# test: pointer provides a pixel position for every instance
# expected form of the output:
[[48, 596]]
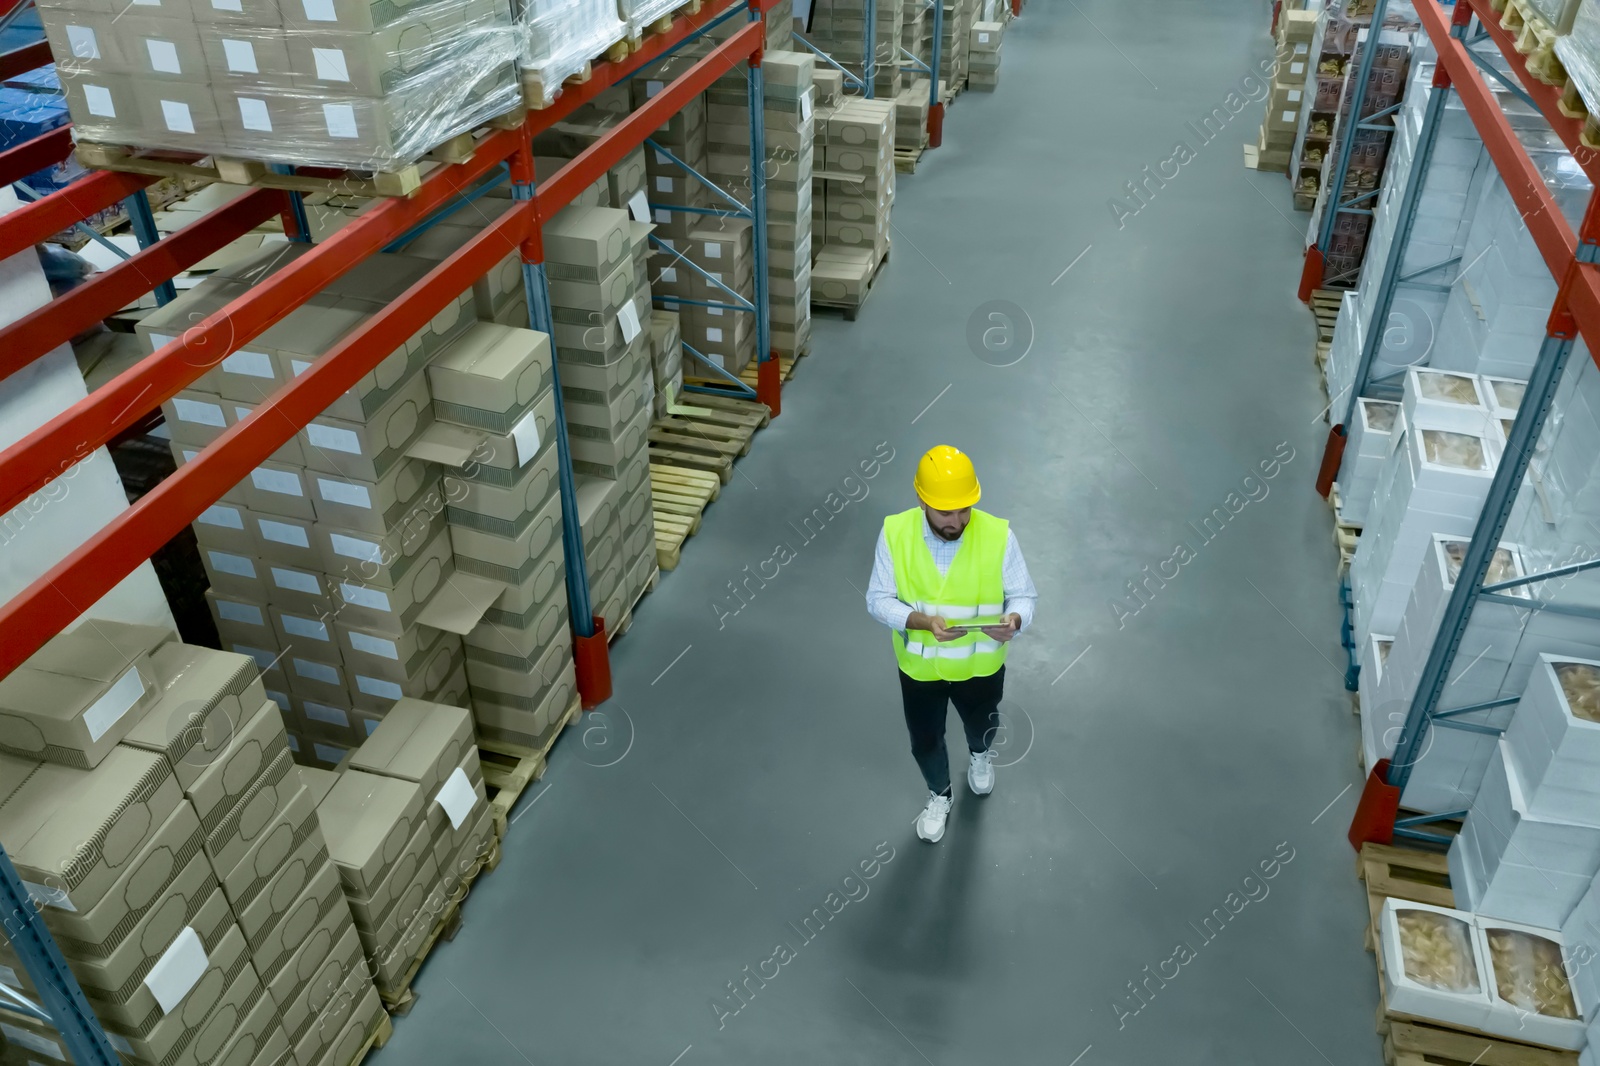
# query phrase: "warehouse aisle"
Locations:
[[1171, 805]]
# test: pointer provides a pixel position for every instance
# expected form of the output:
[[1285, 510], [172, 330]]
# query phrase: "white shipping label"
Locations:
[[328, 675], [198, 412], [227, 5], [983, 38], [1297, 68], [669, 274], [356, 548], [663, 217], [294, 744], [249, 364], [457, 797], [33, 1041], [319, 11], [296, 581], [248, 613], [226, 517], [1302, 48], [805, 106], [362, 596], [639, 207], [373, 645], [177, 971], [373, 686], [628, 319], [714, 251], [119, 699], [253, 114], [323, 713], [340, 120], [309, 628], [228, 563], [717, 311], [176, 115], [713, 333], [280, 698], [653, 87], [663, 184], [525, 435], [345, 493], [372, 726], [98, 99], [82, 42], [299, 366], [49, 896], [1288, 116], [163, 56], [330, 63], [330, 753], [283, 482], [339, 440], [1294, 96]]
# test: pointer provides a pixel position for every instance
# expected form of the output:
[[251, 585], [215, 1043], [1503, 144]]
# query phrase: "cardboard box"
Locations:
[[227, 526], [529, 728], [258, 1039], [599, 416], [309, 634], [586, 245], [519, 646], [316, 679], [508, 559], [321, 896], [367, 820], [378, 62], [1467, 1007], [377, 655], [195, 417], [286, 879], [376, 691], [504, 510], [390, 611], [234, 576], [256, 751], [278, 489], [373, 506], [544, 585], [1513, 1019], [420, 742], [417, 911], [379, 916], [204, 698], [383, 561], [367, 450], [330, 968], [490, 376], [74, 699], [285, 540], [70, 833], [160, 49], [604, 458], [197, 1028], [256, 813], [300, 590], [239, 620], [238, 12], [522, 687], [327, 719], [272, 848], [348, 1025]]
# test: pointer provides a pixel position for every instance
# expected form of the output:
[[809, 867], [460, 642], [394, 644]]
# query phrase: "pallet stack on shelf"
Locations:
[[851, 200], [1274, 145]]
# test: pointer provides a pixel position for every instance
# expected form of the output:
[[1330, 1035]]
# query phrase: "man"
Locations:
[[950, 582]]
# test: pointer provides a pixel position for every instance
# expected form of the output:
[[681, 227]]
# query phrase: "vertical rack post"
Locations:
[[869, 44], [590, 654], [769, 378], [935, 98], [145, 232], [294, 210], [63, 999]]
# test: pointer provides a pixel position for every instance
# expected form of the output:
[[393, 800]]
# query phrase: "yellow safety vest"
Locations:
[[972, 590]]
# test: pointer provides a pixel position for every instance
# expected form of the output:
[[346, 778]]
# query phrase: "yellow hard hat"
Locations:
[[946, 480]]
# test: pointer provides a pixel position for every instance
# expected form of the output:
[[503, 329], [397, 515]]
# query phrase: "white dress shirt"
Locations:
[[883, 599]]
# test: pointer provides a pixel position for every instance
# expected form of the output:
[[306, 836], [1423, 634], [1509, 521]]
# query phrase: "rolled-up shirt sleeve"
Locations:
[[883, 599], [1021, 596]]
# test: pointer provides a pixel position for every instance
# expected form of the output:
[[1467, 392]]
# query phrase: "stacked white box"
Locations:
[[1435, 481], [1511, 864], [1458, 998], [1378, 726], [1557, 749], [1438, 399], [1532, 994], [1370, 440]]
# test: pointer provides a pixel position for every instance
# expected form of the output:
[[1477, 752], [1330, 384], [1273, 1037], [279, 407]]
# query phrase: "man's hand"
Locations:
[[934, 624], [1004, 633]]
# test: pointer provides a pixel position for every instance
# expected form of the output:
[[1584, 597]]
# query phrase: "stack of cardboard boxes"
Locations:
[[302, 81], [959, 17], [916, 30], [839, 28], [406, 821], [789, 120], [1275, 145], [175, 855], [983, 56], [666, 360], [322, 560], [911, 115], [851, 201]]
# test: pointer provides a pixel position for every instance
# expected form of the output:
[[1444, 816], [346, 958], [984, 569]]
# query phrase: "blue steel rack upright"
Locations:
[[1572, 261]]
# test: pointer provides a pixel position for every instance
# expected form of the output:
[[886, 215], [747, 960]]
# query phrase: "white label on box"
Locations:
[[374, 645], [283, 533], [1294, 96], [280, 698], [299, 366], [247, 613], [330, 753], [356, 548], [119, 699], [163, 55], [669, 274], [296, 581], [98, 100], [294, 743], [628, 319], [717, 311], [82, 42], [229, 563], [249, 364], [176, 115], [340, 120], [309, 628], [639, 207], [362, 596], [331, 65], [714, 251], [653, 87], [457, 797], [983, 38], [283, 482], [668, 243], [227, 5], [323, 713], [49, 896], [1288, 116], [1297, 68], [374, 686], [713, 333], [32, 1041], [219, 515], [264, 658], [805, 106], [199, 412], [662, 160], [1301, 49], [372, 726], [663, 217], [345, 493], [340, 440], [328, 675], [178, 970], [319, 11], [525, 435], [663, 184]]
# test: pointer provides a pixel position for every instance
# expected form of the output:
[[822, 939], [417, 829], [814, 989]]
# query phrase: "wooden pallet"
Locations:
[[613, 632], [1535, 40], [708, 434], [187, 166], [536, 95], [680, 497], [508, 769], [400, 1001], [659, 26], [852, 310], [1325, 306], [1346, 539], [906, 159], [750, 375], [377, 1039]]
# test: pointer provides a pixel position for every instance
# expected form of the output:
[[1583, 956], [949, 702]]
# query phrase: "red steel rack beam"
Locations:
[[45, 150], [61, 595], [107, 292], [65, 208], [21, 60]]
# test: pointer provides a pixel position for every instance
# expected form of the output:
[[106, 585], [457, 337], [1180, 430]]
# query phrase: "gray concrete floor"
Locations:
[[751, 761]]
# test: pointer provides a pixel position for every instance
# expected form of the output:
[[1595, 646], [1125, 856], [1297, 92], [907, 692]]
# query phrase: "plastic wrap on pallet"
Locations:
[[640, 13], [560, 36], [1579, 52], [337, 84], [1558, 13]]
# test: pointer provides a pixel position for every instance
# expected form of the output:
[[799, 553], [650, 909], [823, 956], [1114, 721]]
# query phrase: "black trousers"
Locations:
[[927, 704]]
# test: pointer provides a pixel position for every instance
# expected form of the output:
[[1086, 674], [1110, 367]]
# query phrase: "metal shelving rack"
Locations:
[[59, 597], [1572, 259]]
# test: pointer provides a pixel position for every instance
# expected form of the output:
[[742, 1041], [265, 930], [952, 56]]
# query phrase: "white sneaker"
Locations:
[[930, 823], [980, 772]]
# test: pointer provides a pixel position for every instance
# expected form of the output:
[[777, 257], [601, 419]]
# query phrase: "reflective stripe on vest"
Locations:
[[972, 590]]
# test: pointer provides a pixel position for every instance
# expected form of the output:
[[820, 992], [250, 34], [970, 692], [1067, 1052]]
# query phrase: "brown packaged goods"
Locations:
[[367, 820], [74, 698]]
